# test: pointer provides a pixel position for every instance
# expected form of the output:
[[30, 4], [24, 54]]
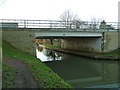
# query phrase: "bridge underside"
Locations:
[[83, 41], [54, 37], [80, 41]]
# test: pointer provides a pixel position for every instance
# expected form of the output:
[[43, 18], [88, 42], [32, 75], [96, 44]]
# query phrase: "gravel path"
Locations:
[[23, 78]]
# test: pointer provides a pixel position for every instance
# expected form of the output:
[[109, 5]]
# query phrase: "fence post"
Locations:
[[24, 23], [50, 23]]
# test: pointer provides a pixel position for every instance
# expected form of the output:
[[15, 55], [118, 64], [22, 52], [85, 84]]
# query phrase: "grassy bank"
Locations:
[[8, 74], [51, 46], [44, 76], [114, 54]]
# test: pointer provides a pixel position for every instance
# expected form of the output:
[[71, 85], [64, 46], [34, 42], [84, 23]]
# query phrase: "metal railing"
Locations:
[[20, 23]]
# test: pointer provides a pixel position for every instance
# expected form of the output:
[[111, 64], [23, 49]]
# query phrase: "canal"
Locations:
[[81, 72]]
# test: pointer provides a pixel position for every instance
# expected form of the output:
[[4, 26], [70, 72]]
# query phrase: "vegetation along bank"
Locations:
[[43, 75]]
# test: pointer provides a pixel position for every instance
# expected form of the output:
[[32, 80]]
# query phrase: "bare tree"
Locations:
[[77, 22], [94, 23], [70, 19]]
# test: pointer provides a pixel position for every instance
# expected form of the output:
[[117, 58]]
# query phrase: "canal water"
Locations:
[[81, 72]]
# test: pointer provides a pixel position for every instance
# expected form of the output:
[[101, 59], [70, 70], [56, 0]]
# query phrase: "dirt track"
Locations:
[[23, 77]]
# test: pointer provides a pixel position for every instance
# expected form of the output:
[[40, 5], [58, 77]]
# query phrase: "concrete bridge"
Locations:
[[22, 34]]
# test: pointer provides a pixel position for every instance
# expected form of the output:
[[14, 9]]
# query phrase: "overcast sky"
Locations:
[[51, 9]]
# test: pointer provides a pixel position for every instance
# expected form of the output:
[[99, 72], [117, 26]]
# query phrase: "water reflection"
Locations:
[[81, 71], [39, 48], [47, 55]]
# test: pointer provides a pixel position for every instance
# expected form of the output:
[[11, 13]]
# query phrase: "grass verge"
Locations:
[[8, 76], [43, 75], [51, 46], [114, 54]]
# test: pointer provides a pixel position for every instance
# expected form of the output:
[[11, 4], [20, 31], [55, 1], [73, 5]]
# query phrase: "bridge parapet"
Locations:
[[59, 25], [67, 29]]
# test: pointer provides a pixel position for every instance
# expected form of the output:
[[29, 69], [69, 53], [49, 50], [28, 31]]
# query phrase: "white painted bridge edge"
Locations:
[[67, 34]]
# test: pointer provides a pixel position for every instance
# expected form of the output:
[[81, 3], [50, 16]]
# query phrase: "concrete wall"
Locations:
[[23, 40], [82, 44], [110, 41]]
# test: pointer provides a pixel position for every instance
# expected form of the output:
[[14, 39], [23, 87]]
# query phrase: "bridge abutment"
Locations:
[[110, 41], [22, 40], [91, 44], [106, 43]]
